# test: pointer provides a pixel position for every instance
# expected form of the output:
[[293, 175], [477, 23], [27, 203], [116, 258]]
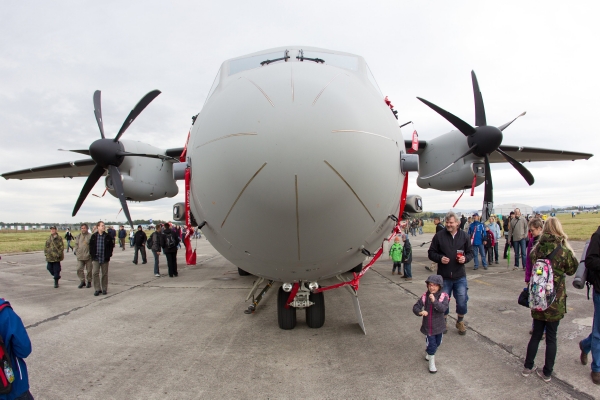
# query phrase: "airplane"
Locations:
[[297, 170]]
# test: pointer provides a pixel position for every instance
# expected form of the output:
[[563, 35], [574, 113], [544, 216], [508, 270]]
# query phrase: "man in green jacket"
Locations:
[[84, 259]]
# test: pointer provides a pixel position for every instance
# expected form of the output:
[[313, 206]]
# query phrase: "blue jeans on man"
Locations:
[[459, 288], [156, 256], [520, 249], [479, 249], [592, 342]]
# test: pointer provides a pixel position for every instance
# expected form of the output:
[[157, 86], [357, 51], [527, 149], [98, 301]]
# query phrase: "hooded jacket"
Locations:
[[434, 323], [592, 260], [477, 232], [396, 252], [18, 347], [563, 262]]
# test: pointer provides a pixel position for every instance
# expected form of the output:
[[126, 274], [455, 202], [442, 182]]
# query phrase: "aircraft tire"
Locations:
[[286, 317], [242, 272], [315, 314], [357, 269]]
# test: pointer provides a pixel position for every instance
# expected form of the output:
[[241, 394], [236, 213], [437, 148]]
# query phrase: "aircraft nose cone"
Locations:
[[487, 138], [104, 152]]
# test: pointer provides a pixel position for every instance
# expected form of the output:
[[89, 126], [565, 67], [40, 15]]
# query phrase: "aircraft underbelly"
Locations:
[[296, 182]]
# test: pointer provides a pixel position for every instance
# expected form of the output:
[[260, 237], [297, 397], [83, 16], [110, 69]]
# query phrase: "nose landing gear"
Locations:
[[288, 302]]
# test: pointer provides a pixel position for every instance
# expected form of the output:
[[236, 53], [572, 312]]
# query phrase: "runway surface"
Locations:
[[188, 338]]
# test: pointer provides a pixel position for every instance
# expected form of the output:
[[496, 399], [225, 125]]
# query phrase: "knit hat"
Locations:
[[437, 279]]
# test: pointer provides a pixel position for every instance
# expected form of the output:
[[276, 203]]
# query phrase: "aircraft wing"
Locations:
[[522, 154], [70, 169]]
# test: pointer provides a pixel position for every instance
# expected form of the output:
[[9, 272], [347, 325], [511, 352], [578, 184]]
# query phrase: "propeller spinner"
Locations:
[[109, 153], [483, 140]]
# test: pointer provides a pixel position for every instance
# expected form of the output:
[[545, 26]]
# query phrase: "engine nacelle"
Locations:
[[440, 153], [144, 179]]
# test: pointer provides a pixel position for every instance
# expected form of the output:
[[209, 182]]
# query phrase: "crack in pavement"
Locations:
[[557, 382]]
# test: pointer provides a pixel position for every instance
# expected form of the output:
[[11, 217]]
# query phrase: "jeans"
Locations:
[[479, 248], [69, 246], [534, 342], [397, 264], [156, 255], [407, 270], [459, 287], [520, 247], [142, 249], [496, 251], [420, 230], [433, 342], [592, 342]]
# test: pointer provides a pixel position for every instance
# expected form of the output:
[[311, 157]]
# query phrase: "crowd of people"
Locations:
[[534, 239]]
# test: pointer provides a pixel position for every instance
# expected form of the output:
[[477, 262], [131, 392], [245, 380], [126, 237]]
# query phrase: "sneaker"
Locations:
[[583, 357], [526, 371], [462, 329], [543, 376], [82, 284], [393, 272], [157, 275], [475, 268], [408, 279], [485, 268], [145, 262]]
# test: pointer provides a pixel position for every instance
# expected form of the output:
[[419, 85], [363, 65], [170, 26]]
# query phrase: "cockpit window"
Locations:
[[373, 81], [336, 60], [244, 64]]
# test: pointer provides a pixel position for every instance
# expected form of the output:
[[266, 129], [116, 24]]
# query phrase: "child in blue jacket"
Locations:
[[18, 347]]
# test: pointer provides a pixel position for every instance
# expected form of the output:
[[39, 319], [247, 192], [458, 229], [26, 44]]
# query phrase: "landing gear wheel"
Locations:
[[357, 269], [285, 316], [315, 314], [242, 272]]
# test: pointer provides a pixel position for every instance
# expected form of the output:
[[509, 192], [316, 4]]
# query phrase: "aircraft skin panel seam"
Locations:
[[262, 91], [350, 187], [242, 192], [297, 217], [322, 90], [228, 136], [368, 133]]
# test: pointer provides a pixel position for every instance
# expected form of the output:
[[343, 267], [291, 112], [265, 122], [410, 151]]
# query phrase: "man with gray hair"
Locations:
[[451, 249]]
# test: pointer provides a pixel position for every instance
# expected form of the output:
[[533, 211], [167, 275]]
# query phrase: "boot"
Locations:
[[432, 368], [55, 283], [596, 377], [82, 284], [89, 285]]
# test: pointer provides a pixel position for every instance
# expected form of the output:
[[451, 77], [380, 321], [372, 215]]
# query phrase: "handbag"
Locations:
[[524, 297]]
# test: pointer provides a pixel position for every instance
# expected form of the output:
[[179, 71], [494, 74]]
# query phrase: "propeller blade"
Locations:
[[472, 149], [96, 173], [488, 197], [98, 112], [159, 156], [479, 108], [503, 127], [519, 167], [118, 185], [139, 107], [85, 152], [461, 125]]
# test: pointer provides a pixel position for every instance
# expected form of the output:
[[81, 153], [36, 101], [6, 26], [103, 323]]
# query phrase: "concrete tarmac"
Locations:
[[188, 338]]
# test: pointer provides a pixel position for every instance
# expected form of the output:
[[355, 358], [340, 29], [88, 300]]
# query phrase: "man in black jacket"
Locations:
[[139, 242], [101, 250], [505, 226], [451, 250], [592, 342]]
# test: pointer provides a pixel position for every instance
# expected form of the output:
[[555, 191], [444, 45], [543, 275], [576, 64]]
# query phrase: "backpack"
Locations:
[[542, 291], [7, 375], [150, 242], [170, 241]]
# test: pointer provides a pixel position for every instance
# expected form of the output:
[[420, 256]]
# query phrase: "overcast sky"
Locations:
[[539, 57]]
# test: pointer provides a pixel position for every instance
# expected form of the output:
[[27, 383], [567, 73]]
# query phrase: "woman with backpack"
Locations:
[[170, 240], [552, 245]]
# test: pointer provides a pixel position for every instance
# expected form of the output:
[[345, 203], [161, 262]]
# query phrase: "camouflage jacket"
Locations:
[[564, 262], [54, 249]]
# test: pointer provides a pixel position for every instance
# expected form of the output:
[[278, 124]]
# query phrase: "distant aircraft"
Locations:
[[296, 168]]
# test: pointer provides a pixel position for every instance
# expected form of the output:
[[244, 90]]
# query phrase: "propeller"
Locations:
[[109, 153], [483, 140]]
